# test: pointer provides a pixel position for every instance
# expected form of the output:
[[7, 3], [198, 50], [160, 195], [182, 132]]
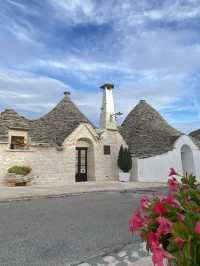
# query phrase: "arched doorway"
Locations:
[[84, 160], [187, 160]]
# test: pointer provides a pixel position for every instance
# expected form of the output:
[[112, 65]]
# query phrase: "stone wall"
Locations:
[[52, 165]]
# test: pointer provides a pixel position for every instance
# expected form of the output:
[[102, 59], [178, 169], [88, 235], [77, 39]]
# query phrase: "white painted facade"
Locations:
[[108, 118], [156, 168]]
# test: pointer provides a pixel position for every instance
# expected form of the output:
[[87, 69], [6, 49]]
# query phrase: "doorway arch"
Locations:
[[84, 160], [187, 160]]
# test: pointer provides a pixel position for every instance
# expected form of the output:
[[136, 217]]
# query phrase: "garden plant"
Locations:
[[170, 224]]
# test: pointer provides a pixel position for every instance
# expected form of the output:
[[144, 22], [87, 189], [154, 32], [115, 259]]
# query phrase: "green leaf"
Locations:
[[180, 229]]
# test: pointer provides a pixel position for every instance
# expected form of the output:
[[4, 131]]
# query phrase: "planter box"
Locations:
[[124, 177], [18, 180]]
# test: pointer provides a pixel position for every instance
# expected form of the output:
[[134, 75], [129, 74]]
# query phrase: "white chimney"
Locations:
[[108, 117]]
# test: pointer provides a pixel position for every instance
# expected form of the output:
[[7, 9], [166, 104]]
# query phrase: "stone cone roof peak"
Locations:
[[146, 132], [56, 125], [52, 128]]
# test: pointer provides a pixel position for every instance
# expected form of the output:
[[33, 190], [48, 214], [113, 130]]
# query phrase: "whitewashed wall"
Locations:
[[107, 168], [156, 169]]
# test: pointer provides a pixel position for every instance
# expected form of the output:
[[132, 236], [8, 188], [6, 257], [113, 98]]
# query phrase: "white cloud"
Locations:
[[33, 95], [76, 11], [29, 93], [126, 13], [187, 127], [143, 58]]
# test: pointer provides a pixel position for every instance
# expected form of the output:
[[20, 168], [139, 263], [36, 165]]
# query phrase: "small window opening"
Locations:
[[17, 143], [107, 150]]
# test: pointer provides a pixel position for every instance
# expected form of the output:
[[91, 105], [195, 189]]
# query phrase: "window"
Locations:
[[107, 150], [17, 143]]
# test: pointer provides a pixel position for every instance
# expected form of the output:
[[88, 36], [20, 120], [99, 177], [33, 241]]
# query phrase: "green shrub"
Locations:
[[124, 160], [19, 170]]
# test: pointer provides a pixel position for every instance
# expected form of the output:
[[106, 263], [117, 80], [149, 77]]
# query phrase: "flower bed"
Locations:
[[170, 225]]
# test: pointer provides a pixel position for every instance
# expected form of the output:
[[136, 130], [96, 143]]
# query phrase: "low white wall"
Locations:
[[156, 169]]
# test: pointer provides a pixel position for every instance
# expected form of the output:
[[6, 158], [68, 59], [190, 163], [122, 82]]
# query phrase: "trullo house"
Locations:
[[63, 146]]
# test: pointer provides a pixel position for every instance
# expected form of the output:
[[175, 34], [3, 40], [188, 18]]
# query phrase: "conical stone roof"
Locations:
[[147, 133], [53, 128], [195, 134], [9, 119]]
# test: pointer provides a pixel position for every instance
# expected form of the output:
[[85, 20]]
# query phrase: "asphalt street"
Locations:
[[64, 231]]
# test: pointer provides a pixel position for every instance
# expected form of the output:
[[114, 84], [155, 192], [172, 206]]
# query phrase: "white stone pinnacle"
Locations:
[[108, 118]]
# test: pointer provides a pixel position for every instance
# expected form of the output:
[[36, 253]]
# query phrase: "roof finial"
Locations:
[[143, 101], [67, 93], [108, 86]]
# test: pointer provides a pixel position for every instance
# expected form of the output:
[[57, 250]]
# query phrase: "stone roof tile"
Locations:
[[52, 128], [147, 133]]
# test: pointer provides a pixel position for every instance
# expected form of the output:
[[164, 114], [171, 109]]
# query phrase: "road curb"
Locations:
[[70, 194]]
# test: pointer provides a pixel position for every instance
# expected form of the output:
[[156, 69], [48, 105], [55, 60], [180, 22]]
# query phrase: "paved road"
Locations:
[[61, 231]]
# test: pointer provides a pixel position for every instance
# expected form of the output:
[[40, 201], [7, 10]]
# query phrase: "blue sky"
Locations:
[[150, 49]]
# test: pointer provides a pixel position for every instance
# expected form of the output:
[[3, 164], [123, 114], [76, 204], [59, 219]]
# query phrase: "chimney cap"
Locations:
[[67, 93], [108, 86]]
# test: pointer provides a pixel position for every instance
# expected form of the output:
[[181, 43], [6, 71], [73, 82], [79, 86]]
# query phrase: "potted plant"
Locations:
[[125, 164], [170, 225], [19, 176]]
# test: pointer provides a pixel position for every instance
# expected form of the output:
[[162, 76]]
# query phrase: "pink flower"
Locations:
[[153, 240], [159, 208], [173, 184], [172, 172], [147, 219], [197, 228], [136, 222], [181, 217], [180, 242], [145, 201], [142, 235], [165, 226], [159, 255], [171, 200]]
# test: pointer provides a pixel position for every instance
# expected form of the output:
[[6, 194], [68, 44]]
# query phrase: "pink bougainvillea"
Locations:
[[158, 256], [172, 172], [179, 241], [197, 228], [145, 201], [171, 224], [173, 184], [136, 222], [159, 208], [165, 226]]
